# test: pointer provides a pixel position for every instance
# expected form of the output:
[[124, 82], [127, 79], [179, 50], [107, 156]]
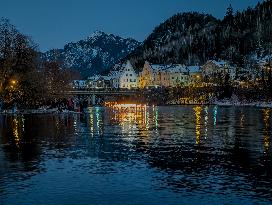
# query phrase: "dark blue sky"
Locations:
[[53, 23]]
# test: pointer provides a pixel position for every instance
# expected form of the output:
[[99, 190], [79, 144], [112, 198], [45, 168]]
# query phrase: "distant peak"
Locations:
[[96, 34]]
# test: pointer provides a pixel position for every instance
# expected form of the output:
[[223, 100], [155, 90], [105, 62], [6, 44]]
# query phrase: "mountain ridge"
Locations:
[[95, 54]]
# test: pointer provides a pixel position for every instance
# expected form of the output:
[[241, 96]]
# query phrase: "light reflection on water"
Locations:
[[137, 154], [198, 110], [267, 129]]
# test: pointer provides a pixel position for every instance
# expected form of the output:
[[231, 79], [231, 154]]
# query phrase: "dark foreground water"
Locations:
[[155, 155]]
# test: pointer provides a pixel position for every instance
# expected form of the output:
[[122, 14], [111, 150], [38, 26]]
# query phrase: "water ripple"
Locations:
[[146, 155]]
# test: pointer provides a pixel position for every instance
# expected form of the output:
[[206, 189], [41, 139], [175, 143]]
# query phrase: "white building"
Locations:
[[214, 68], [115, 79], [125, 77], [178, 75], [128, 77], [92, 81], [79, 84], [98, 82], [195, 75]]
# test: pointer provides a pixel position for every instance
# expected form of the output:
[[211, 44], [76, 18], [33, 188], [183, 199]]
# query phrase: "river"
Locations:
[[138, 155]]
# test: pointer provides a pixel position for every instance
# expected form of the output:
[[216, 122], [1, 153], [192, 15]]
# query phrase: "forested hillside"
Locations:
[[192, 38]]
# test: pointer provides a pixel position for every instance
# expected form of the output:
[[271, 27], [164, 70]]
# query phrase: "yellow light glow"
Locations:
[[266, 137], [15, 130], [198, 110], [130, 115]]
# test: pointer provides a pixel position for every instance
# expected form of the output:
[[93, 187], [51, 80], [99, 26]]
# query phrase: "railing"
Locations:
[[102, 91]]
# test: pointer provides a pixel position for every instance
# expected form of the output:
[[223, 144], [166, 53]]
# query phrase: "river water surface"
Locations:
[[144, 155]]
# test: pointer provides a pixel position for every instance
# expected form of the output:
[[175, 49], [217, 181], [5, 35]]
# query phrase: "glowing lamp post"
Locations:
[[13, 83]]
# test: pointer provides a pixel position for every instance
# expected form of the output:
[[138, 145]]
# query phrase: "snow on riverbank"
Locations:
[[38, 111], [238, 103], [226, 102], [234, 101]]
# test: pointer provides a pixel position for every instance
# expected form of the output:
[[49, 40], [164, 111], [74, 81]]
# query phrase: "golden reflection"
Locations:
[[198, 110], [16, 132], [147, 120], [132, 116], [131, 113], [266, 118]]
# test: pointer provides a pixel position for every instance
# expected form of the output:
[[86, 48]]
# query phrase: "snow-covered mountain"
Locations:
[[95, 54]]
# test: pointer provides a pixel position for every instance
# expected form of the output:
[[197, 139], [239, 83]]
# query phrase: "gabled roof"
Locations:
[[99, 77], [177, 68], [219, 63], [79, 82], [115, 74], [265, 60], [174, 68], [94, 78], [157, 67], [126, 66], [121, 70]]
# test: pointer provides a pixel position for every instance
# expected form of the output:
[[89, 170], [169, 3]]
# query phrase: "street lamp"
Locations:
[[13, 83]]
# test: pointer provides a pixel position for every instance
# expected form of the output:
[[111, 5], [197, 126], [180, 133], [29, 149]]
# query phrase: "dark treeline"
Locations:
[[193, 38], [25, 79]]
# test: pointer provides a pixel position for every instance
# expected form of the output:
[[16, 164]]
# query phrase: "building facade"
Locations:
[[158, 75], [128, 77], [195, 76], [213, 71], [178, 75], [115, 79], [98, 82]]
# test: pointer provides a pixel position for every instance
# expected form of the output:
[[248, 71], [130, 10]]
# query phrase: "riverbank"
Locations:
[[226, 102], [38, 111], [223, 103], [237, 103], [218, 103]]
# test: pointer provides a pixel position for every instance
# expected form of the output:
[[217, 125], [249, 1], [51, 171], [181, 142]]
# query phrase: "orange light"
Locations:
[[13, 82]]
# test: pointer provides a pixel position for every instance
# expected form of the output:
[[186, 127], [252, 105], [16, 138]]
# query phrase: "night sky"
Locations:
[[53, 23]]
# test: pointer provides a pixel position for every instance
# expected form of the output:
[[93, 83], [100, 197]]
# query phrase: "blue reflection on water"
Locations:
[[138, 155]]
